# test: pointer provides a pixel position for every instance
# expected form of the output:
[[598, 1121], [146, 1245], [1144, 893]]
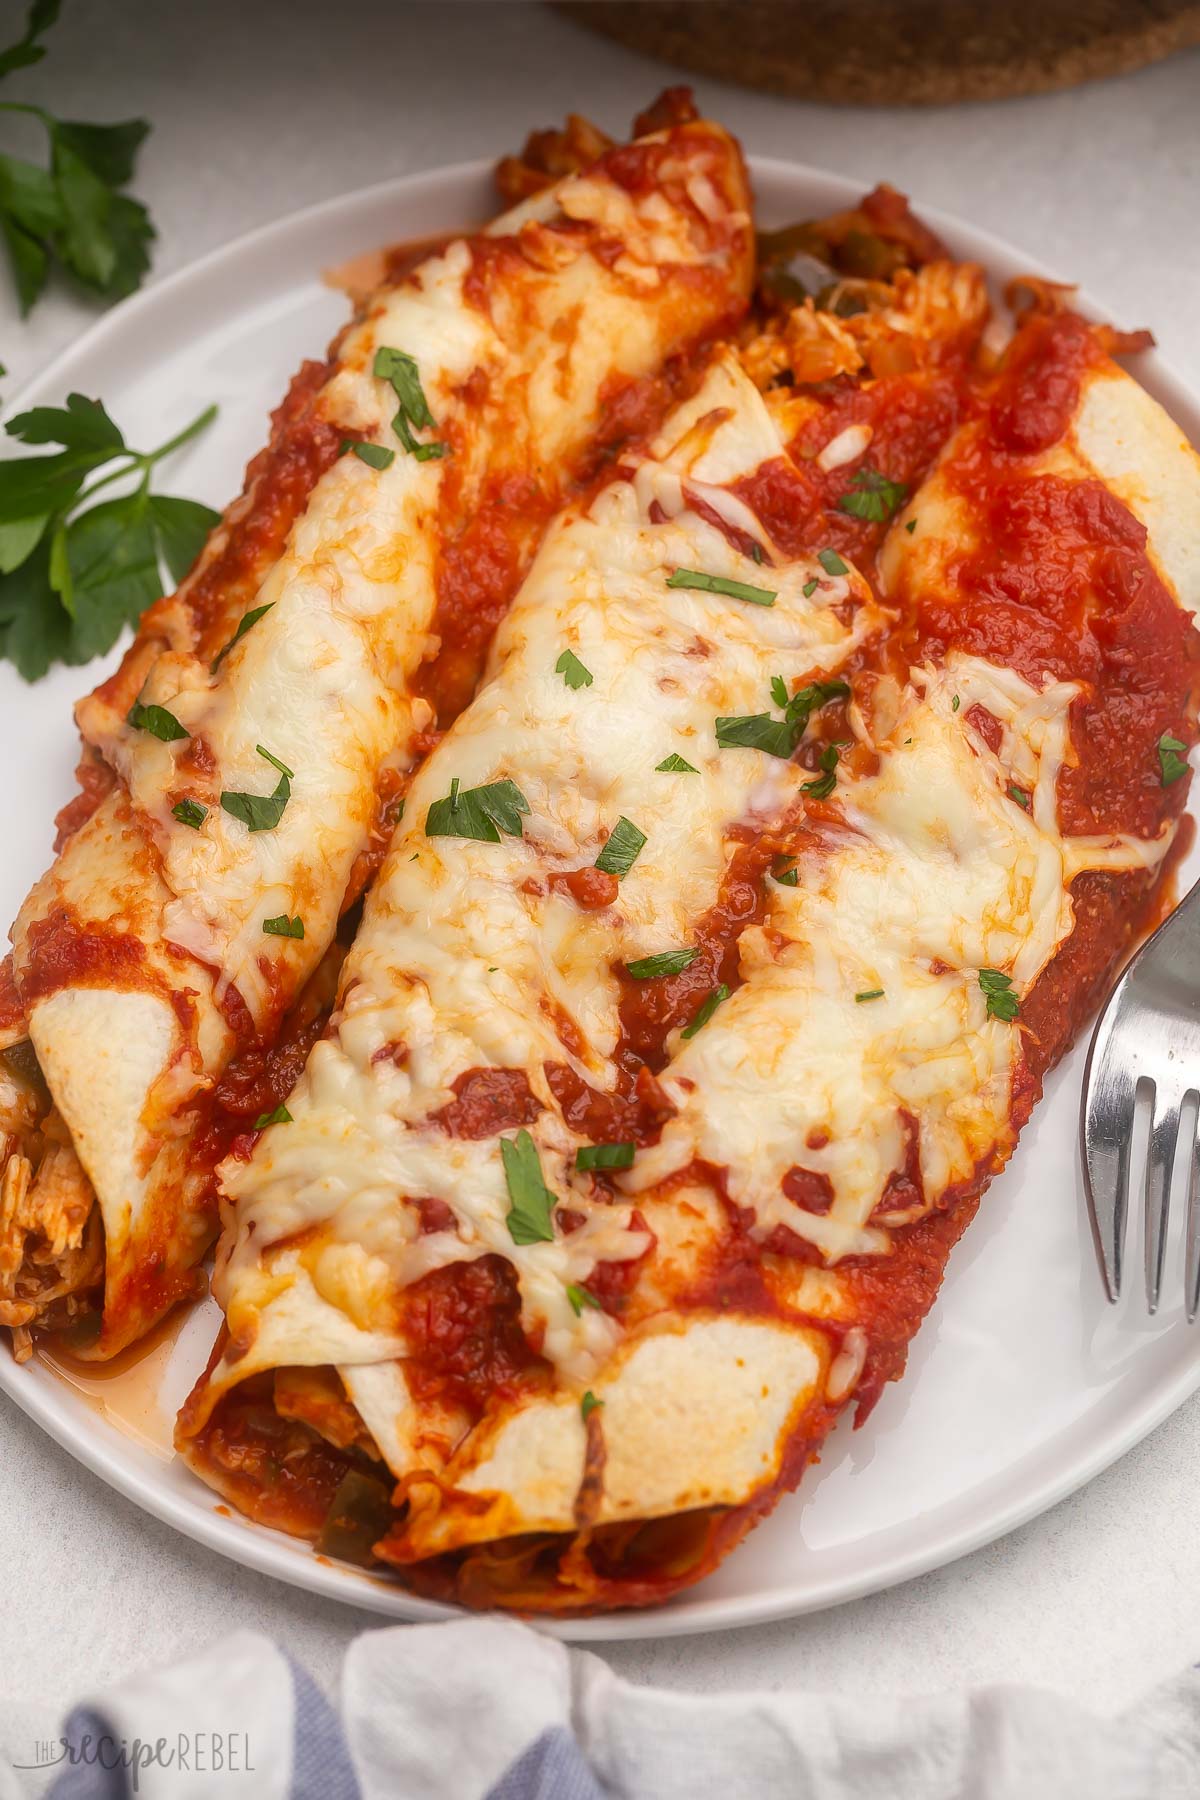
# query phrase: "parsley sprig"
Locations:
[[1172, 759], [400, 370], [530, 1217], [996, 987], [872, 496], [71, 213], [779, 737], [73, 573]]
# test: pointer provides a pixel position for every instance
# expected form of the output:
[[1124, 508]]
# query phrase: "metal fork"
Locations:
[[1146, 1047]]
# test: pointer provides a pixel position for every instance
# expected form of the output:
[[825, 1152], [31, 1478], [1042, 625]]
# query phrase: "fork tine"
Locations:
[[1109, 1115], [1191, 1280], [1160, 1162]]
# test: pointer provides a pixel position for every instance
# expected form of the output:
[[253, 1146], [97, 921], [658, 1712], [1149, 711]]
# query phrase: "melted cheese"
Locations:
[[515, 357], [468, 957], [937, 873]]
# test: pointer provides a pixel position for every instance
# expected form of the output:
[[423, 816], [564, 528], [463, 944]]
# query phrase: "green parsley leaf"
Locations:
[[573, 671], [832, 563], [667, 962], [706, 1011], [955, 704], [604, 1156], [779, 691], [190, 812], [275, 762], [784, 871], [869, 994], [72, 211], [810, 588], [157, 721], [81, 424], [757, 731], [529, 1220], [872, 496], [181, 527], [675, 765], [284, 927], [579, 1298], [480, 813], [1172, 758], [719, 584], [401, 371], [1002, 1003], [376, 456], [823, 785], [280, 1116], [39, 19], [588, 1405], [807, 700], [1019, 795], [73, 574], [244, 624], [261, 812], [622, 848], [911, 526]]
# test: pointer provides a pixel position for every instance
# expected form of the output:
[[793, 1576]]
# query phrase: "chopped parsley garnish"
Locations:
[[832, 563], [579, 1298], [667, 962], [911, 526], [1019, 795], [588, 1405], [528, 1220], [720, 584], [823, 785], [481, 813], [872, 496], [284, 927], [413, 413], [261, 812], [376, 456], [757, 731], [955, 704], [779, 692], [779, 737], [706, 1011], [573, 672], [74, 574], [157, 721], [1172, 758], [756, 553], [675, 765], [281, 1116], [244, 624], [1002, 1003], [868, 994], [604, 1156], [622, 848], [190, 812], [72, 211], [810, 588], [784, 871]]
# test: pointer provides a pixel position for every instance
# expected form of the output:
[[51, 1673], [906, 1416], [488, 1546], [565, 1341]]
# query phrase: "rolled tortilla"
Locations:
[[479, 388], [579, 1387]]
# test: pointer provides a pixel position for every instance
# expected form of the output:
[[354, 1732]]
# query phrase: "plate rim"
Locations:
[[43, 1397]]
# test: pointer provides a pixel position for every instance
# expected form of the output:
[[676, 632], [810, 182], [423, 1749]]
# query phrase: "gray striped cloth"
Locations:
[[488, 1709]]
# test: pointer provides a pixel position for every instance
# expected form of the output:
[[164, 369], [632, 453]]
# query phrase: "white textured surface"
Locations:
[[1097, 1598]]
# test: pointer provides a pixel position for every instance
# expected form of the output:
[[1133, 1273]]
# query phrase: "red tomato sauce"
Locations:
[[464, 1325]]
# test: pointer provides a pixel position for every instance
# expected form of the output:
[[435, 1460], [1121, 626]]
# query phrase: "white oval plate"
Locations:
[[1024, 1383]]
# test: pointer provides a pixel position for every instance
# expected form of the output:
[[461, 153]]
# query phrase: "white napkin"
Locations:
[[488, 1709]]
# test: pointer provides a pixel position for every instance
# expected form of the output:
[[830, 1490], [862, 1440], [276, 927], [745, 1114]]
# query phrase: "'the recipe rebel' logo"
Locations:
[[193, 1753]]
